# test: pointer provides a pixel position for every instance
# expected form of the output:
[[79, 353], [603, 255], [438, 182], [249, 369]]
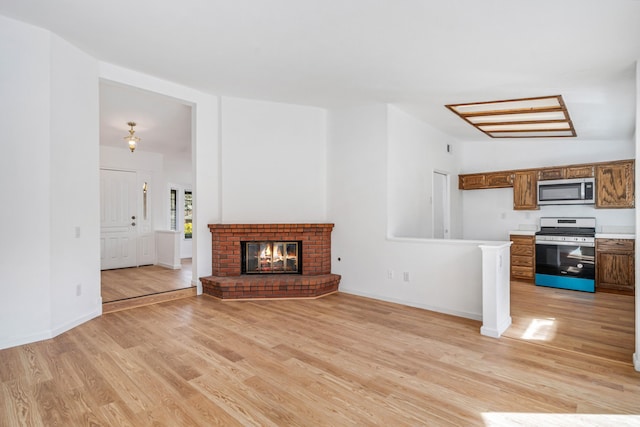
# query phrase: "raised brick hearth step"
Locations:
[[276, 286]]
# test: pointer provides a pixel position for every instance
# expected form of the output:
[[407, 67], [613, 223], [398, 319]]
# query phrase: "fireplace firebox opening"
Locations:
[[271, 257]]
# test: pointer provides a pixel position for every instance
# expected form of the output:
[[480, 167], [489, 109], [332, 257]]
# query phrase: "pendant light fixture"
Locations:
[[131, 138]]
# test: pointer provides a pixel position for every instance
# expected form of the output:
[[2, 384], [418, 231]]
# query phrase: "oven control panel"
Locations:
[[578, 239]]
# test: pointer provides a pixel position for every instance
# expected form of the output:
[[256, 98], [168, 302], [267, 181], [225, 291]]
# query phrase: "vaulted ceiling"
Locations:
[[417, 54]]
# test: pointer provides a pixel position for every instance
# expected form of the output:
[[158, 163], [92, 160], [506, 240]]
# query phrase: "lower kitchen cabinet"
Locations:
[[615, 265], [523, 254]]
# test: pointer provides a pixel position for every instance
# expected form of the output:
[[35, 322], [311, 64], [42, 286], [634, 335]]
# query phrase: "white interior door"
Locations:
[[440, 205], [118, 219]]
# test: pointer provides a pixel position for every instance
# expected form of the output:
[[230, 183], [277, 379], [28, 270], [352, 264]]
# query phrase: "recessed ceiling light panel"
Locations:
[[518, 118]]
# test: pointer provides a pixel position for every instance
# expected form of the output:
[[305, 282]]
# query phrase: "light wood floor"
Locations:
[[134, 282], [339, 360], [599, 324]]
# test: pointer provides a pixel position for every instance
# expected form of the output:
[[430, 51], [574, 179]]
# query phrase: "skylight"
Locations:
[[543, 117]]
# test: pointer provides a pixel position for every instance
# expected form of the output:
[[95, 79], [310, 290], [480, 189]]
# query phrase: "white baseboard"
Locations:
[[636, 361], [493, 332], [466, 315], [52, 333], [79, 321], [14, 342], [170, 266]]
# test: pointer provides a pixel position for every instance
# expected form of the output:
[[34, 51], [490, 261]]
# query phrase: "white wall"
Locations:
[[49, 168], [443, 275], [74, 187], [25, 310], [489, 214], [178, 170], [415, 151], [274, 162]]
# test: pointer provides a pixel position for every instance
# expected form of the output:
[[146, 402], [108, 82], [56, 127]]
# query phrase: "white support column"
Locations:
[[496, 298]]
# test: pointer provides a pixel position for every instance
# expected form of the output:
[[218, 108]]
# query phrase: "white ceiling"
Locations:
[[417, 54], [162, 123]]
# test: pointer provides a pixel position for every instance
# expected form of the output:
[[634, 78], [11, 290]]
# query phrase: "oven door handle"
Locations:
[[562, 243]]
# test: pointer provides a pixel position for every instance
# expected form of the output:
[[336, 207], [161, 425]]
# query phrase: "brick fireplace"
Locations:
[[227, 280]]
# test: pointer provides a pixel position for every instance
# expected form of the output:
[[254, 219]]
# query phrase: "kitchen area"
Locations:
[[573, 242]]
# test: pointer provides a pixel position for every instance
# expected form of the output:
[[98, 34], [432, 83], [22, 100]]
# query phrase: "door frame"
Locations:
[[446, 202]]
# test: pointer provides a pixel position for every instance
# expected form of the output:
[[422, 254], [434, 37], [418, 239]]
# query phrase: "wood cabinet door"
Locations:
[[551, 173], [525, 192], [582, 171], [499, 179], [615, 271], [471, 182], [615, 185]]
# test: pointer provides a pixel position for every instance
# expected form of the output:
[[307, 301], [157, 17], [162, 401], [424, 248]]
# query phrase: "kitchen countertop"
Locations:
[[523, 232], [615, 236]]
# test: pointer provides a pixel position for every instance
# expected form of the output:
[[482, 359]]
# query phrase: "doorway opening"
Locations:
[[440, 205], [135, 197]]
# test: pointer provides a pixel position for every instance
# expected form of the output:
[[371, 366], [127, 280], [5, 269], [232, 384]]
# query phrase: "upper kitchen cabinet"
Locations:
[[566, 172], [477, 181], [472, 181], [499, 179], [615, 182], [579, 171], [551, 173], [525, 192], [615, 186]]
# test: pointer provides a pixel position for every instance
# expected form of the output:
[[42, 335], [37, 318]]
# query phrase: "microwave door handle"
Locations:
[[582, 191]]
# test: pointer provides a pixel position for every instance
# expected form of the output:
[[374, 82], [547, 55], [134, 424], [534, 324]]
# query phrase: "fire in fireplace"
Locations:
[[270, 257]]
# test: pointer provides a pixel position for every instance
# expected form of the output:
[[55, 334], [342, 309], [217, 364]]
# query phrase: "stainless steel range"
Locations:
[[565, 253]]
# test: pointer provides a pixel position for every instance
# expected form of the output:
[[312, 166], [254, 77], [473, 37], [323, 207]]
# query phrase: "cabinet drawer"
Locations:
[[522, 240], [522, 272], [522, 261], [615, 245], [522, 250]]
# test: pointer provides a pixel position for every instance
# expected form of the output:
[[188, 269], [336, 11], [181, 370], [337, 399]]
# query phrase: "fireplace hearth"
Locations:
[[252, 261]]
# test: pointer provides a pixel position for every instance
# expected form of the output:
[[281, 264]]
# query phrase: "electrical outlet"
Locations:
[[405, 276], [389, 274], [78, 289]]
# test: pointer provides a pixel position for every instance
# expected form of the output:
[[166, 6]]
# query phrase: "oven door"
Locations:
[[566, 265]]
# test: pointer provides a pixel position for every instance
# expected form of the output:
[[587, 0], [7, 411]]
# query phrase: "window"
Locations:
[[173, 205], [188, 214]]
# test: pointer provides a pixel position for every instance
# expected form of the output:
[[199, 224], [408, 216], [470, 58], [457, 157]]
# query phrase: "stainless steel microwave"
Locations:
[[578, 191]]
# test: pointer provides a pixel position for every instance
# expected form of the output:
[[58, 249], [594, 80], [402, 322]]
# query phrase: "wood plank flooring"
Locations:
[[335, 361], [124, 283], [600, 324]]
